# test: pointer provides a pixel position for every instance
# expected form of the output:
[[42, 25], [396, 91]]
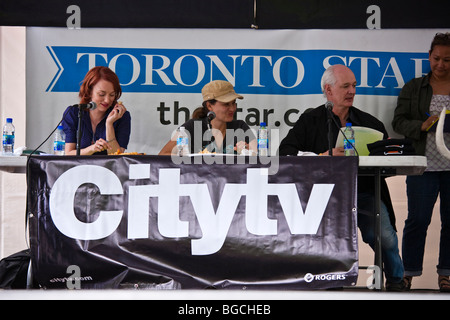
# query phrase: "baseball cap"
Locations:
[[220, 90]]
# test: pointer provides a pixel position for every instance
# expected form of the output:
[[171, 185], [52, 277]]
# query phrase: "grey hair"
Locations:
[[328, 78]]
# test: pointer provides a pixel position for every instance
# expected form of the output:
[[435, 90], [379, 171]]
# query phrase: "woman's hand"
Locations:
[[117, 113], [100, 145], [427, 123], [241, 145]]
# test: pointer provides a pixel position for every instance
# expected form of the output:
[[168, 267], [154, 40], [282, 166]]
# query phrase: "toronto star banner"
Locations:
[[203, 222]]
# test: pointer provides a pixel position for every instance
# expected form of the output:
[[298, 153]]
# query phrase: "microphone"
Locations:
[[87, 106], [211, 115], [82, 106], [329, 107]]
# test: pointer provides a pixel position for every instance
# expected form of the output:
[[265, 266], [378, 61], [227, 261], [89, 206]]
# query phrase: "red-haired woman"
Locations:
[[106, 129]]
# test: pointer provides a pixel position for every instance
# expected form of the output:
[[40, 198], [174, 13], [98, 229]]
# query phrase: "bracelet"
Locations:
[[110, 140]]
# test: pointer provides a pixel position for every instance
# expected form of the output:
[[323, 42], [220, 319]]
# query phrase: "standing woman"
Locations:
[[106, 129], [419, 104]]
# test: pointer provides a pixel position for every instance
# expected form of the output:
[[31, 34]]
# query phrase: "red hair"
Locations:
[[93, 77]]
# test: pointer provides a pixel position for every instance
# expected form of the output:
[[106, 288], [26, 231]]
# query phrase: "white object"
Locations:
[[440, 143]]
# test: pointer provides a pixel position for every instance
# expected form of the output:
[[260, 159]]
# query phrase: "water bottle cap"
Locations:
[[9, 120], [60, 127], [349, 124], [263, 124]]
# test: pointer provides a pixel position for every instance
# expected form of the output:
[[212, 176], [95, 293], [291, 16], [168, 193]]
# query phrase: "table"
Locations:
[[13, 164], [387, 166], [395, 165]]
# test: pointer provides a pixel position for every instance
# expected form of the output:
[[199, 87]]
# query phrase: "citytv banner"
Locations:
[[142, 221], [162, 72]]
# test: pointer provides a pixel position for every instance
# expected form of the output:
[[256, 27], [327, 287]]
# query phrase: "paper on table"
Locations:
[[363, 136]]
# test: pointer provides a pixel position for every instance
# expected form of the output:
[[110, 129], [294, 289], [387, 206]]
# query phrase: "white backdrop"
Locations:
[[277, 71]]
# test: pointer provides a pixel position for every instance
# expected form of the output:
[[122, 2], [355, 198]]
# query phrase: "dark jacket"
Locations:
[[310, 133], [413, 104]]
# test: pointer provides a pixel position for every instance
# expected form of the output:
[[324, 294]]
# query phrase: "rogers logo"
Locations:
[[309, 277], [324, 277]]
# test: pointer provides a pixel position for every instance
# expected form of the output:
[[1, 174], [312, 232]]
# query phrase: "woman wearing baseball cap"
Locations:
[[220, 132]]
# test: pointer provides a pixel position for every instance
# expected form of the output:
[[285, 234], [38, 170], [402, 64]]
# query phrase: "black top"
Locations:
[[310, 133], [200, 136], [122, 128]]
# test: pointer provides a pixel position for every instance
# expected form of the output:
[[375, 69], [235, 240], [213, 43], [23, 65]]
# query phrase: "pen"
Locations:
[[427, 114]]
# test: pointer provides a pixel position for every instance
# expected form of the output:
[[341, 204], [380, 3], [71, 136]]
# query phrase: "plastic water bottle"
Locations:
[[182, 142], [8, 138], [349, 140], [59, 142], [263, 140]]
